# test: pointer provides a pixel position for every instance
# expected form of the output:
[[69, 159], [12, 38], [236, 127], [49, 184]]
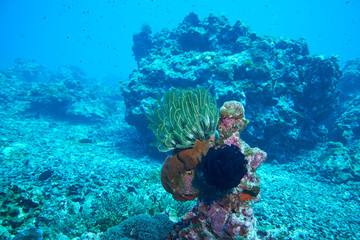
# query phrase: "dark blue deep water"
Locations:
[[80, 82]]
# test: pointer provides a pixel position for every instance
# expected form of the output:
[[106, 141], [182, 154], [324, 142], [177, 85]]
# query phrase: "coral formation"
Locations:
[[232, 117], [344, 130], [335, 163], [63, 95], [232, 215], [290, 92], [141, 227], [18, 207], [183, 117], [98, 163], [142, 42], [31, 233], [229, 165], [349, 82]]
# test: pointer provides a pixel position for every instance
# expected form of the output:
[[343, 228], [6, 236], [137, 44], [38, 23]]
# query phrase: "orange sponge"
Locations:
[[178, 171]]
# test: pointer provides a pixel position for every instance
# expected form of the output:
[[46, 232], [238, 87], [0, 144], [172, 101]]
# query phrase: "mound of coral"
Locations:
[[288, 92], [66, 95], [350, 80], [340, 158]]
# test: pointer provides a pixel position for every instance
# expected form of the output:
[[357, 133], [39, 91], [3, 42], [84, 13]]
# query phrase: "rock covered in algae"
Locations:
[[290, 92]]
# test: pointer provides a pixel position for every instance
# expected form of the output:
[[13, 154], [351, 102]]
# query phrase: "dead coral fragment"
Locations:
[[182, 117]]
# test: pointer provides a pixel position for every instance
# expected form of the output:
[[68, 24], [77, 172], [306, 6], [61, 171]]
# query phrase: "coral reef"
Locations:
[[141, 227], [335, 163], [31, 233], [230, 216], [346, 128], [29, 71], [142, 42], [17, 208], [65, 100], [290, 93], [66, 95], [232, 119], [349, 83], [341, 159], [229, 166], [87, 178], [51, 176]]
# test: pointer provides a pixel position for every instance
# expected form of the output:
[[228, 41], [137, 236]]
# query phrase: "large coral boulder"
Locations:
[[289, 92]]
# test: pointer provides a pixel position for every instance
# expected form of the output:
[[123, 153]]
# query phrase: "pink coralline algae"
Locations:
[[233, 120], [230, 216]]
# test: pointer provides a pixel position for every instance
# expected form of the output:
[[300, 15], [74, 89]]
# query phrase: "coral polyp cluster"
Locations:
[[182, 117]]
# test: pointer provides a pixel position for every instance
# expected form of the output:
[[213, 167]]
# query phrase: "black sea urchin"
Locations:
[[224, 167]]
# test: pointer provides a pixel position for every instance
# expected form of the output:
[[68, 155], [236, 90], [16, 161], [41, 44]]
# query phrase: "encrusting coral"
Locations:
[[183, 117], [232, 119]]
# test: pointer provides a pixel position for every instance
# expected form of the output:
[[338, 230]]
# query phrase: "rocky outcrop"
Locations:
[[287, 92]]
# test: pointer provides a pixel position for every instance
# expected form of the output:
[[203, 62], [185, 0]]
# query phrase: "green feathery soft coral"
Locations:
[[183, 116]]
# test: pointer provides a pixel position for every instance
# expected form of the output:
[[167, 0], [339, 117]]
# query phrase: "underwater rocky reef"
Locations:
[[287, 92], [73, 164], [61, 95]]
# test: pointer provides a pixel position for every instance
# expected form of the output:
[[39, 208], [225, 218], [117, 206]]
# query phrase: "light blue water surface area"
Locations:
[[169, 119]]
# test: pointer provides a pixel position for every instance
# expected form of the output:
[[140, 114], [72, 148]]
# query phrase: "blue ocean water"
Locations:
[[97, 35], [81, 80]]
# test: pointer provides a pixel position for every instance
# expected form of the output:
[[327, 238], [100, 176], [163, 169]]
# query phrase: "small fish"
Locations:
[[46, 175], [85, 140], [131, 189], [190, 197]]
